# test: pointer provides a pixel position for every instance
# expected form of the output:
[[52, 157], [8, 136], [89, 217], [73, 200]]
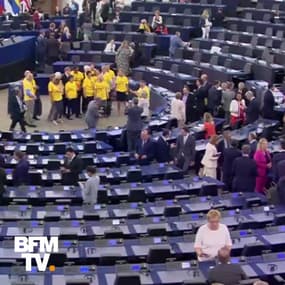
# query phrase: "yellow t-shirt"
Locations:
[[34, 86], [78, 78], [55, 91], [122, 83], [101, 90], [71, 90], [28, 86], [144, 89], [88, 87], [111, 74]]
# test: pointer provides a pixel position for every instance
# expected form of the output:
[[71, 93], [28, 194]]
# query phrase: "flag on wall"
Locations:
[[12, 6], [26, 5], [1, 7]]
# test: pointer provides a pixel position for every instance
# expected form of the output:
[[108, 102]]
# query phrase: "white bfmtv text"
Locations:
[[27, 246]]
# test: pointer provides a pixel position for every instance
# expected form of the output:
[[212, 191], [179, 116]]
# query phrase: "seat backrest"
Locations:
[[214, 60], [248, 15], [209, 190], [137, 195], [75, 59], [172, 211], [158, 255], [250, 29], [127, 278]]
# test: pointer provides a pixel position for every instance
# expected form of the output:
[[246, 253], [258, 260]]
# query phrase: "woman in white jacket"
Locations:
[[210, 158], [237, 110], [177, 110]]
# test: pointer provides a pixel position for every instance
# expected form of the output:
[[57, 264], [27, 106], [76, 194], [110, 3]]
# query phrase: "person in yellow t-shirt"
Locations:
[[102, 92], [71, 94], [143, 88], [144, 26], [78, 78], [122, 88], [55, 89], [38, 103], [29, 98], [88, 90]]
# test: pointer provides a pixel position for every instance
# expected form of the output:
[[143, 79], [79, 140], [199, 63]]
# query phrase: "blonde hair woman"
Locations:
[[205, 24], [209, 125], [263, 161], [211, 237], [210, 158]]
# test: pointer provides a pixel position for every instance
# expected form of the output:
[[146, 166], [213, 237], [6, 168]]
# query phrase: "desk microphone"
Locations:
[[91, 250], [83, 229]]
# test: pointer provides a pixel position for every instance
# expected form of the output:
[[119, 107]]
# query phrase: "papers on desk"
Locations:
[[50, 148], [45, 137], [23, 148], [56, 176], [109, 159], [13, 161], [10, 147]]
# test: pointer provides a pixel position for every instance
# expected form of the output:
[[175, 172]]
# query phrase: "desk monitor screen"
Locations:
[[157, 240], [115, 222], [136, 267], [84, 269]]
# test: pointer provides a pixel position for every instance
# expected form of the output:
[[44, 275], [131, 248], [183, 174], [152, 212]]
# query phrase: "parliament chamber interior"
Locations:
[[190, 189]]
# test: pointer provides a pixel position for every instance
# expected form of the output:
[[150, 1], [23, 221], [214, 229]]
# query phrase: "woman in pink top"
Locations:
[[263, 161]]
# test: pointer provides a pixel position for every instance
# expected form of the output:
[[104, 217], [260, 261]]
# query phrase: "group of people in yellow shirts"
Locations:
[[71, 93]]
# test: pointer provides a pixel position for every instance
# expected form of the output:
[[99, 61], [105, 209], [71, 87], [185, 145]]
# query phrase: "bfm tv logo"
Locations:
[[45, 246]]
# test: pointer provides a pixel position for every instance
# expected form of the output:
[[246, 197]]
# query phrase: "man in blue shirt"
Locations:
[[175, 43]]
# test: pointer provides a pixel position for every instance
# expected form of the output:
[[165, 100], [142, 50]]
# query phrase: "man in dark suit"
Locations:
[[53, 49], [230, 154], [134, 124], [252, 111], [190, 105], [185, 150], [225, 272], [145, 149], [252, 143], [72, 167], [163, 147], [201, 93], [268, 104], [277, 157], [223, 144], [21, 171], [214, 97], [244, 172], [16, 109]]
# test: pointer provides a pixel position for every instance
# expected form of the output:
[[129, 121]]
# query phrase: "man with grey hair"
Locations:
[[134, 124], [225, 272], [16, 109], [252, 111]]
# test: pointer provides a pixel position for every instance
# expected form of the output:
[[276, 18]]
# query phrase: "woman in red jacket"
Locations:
[[209, 125]]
